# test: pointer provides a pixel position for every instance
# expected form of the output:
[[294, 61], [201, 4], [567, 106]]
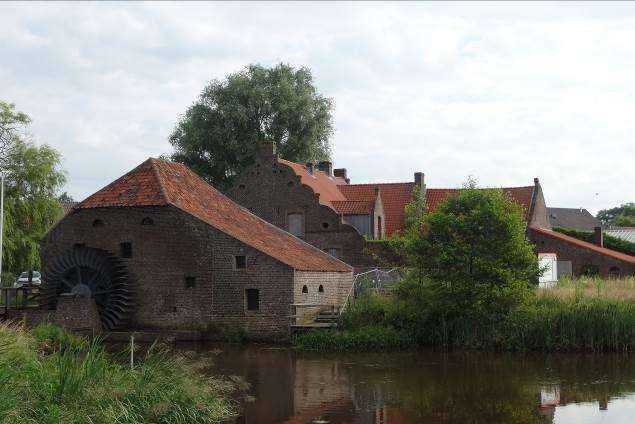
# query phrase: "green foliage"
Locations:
[[32, 180], [621, 216], [58, 378], [472, 255], [610, 242], [218, 134]]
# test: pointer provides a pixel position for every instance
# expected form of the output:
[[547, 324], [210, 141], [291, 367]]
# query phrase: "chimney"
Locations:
[[266, 149], [598, 237], [420, 179], [326, 167], [340, 172], [309, 167], [536, 181]]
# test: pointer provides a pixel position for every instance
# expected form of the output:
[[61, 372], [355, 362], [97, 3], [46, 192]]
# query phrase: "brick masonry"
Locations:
[[77, 313], [579, 256], [272, 191], [178, 245]]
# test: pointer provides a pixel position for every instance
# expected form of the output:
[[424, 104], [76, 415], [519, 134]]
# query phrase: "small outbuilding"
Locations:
[[161, 249]]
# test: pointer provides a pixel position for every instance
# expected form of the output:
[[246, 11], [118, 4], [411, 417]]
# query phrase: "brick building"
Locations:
[[194, 259]]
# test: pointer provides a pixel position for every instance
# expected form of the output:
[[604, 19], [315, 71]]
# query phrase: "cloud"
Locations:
[[504, 93]]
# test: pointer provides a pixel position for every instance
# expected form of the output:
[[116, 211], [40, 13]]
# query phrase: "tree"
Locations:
[[218, 134], [472, 254], [32, 181], [621, 216]]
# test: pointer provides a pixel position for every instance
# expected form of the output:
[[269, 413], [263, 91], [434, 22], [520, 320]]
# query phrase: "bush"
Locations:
[[610, 242]]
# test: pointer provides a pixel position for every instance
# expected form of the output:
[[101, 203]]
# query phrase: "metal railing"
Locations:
[[377, 279], [313, 311], [18, 298]]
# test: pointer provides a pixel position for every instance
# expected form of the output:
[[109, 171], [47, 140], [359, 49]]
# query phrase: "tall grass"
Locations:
[[50, 376], [594, 315]]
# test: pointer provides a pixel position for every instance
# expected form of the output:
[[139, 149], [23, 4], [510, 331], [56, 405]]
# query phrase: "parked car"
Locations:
[[23, 279]]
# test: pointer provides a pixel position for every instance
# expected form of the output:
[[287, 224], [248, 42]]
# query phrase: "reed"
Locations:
[[54, 377], [589, 315]]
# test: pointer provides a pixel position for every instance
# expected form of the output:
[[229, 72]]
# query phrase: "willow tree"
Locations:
[[217, 136], [33, 179]]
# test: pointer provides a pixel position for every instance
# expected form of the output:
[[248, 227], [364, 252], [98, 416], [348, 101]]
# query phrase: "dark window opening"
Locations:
[[321, 289], [126, 249], [325, 225], [253, 299], [334, 251], [290, 184], [79, 245], [98, 223], [241, 186], [305, 289], [147, 221], [190, 282], [240, 262]]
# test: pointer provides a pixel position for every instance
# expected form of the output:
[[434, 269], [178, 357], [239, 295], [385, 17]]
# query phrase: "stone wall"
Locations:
[[272, 190], [580, 256], [178, 245], [336, 286]]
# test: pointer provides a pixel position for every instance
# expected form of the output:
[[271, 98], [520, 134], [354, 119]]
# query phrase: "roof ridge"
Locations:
[[157, 174]]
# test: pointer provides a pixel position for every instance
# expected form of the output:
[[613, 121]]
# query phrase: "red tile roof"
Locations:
[[159, 183], [354, 207], [394, 197], [319, 182], [585, 245], [67, 207], [521, 195]]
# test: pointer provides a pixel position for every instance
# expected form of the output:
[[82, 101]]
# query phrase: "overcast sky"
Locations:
[[501, 92]]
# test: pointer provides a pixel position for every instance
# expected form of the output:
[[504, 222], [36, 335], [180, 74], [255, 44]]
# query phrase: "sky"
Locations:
[[501, 92]]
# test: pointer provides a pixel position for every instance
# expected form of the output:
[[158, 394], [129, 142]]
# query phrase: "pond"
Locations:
[[428, 387]]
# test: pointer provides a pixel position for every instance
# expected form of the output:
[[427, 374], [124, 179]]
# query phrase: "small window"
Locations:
[[240, 262], [147, 221], [190, 282], [325, 225], [241, 186], [333, 251], [305, 289], [290, 184], [126, 250], [321, 289], [98, 223], [296, 224], [253, 299], [79, 245]]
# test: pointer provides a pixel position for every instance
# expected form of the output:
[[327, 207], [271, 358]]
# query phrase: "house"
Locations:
[[160, 249], [572, 218]]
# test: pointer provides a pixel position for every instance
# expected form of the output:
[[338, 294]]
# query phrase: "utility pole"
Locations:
[[1, 219]]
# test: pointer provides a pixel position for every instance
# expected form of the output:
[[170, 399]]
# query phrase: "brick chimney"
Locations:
[[309, 167], [266, 149], [420, 179], [598, 237], [326, 167], [341, 172]]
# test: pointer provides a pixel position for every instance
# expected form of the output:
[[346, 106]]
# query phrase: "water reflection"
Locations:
[[431, 387]]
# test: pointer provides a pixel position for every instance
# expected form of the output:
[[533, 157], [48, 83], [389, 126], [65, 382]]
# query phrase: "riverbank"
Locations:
[[55, 376], [584, 316]]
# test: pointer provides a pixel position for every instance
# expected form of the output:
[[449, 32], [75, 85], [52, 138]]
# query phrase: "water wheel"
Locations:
[[91, 273]]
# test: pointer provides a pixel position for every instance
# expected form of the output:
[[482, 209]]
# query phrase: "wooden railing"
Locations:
[[18, 298]]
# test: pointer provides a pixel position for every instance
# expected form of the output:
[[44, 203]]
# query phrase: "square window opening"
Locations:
[[190, 282], [240, 262], [126, 250]]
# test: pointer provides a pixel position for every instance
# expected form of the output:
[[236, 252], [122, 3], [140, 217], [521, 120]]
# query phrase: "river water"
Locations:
[[428, 387]]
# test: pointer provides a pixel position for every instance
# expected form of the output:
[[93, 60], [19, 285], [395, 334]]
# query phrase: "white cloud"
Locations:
[[502, 92]]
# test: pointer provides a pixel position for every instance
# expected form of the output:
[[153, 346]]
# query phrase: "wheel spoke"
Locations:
[[67, 283], [79, 275]]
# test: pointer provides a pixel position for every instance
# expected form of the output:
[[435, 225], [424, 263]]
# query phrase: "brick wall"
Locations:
[[336, 286], [579, 256], [272, 191], [178, 245]]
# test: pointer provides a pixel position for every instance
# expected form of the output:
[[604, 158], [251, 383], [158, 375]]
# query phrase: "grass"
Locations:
[[592, 288], [51, 376], [590, 315]]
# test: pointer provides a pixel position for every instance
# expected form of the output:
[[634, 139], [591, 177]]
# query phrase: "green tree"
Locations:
[[621, 216], [472, 254], [33, 179], [218, 134]]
